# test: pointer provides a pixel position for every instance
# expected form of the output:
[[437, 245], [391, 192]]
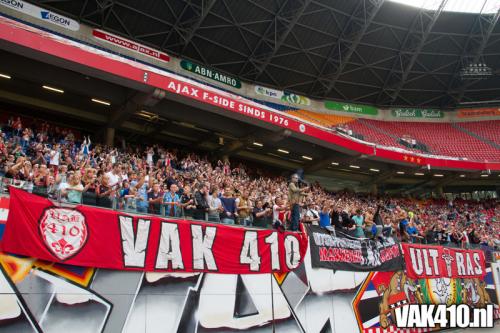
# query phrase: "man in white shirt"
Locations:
[[54, 157], [312, 214], [114, 175]]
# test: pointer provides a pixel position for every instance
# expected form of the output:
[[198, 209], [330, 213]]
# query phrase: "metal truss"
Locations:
[[410, 50], [274, 37], [472, 52], [340, 55], [208, 4], [267, 35]]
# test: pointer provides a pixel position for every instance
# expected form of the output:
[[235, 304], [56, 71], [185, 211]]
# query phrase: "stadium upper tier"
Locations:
[[357, 129], [478, 141]]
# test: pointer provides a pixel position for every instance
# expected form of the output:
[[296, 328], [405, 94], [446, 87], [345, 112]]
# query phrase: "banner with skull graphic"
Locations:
[[353, 254]]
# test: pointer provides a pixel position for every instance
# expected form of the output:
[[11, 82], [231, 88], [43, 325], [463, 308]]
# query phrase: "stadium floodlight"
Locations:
[[283, 151], [438, 175], [354, 166], [100, 101], [400, 172], [5, 76], [335, 163], [462, 176], [475, 71], [307, 157], [375, 170], [57, 90], [258, 144], [485, 175], [419, 174], [149, 115]]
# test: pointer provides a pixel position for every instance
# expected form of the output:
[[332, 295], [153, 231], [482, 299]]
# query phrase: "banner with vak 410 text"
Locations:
[[101, 238], [353, 254], [427, 262]]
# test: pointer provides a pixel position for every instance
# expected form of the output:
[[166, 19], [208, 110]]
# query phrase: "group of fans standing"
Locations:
[[60, 164]]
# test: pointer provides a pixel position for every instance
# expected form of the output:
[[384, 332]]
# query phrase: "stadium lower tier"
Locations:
[[56, 295], [476, 141]]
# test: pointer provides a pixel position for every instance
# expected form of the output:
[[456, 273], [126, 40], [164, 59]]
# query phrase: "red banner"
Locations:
[[128, 44], [425, 261], [478, 113], [88, 236]]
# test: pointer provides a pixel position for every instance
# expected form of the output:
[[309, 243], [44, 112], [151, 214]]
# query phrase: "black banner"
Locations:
[[353, 254]]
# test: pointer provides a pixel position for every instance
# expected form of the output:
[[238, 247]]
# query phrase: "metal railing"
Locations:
[[117, 204]]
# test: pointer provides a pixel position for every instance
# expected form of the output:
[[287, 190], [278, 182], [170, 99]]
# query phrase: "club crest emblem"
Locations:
[[63, 231]]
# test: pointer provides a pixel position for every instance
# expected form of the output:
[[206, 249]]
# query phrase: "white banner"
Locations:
[[282, 95], [42, 14]]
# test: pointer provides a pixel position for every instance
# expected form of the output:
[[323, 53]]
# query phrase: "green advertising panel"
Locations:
[[352, 108], [416, 113], [210, 73]]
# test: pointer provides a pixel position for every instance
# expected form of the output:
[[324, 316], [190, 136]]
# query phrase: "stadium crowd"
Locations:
[[60, 164]]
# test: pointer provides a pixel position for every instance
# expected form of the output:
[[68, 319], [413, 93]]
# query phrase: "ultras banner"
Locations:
[[94, 237], [342, 253], [425, 261]]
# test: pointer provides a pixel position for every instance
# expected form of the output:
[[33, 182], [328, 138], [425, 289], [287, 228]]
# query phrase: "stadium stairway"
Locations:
[[375, 134], [441, 139], [490, 136]]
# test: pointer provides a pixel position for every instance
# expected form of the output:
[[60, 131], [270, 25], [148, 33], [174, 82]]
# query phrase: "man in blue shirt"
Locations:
[[413, 232], [403, 227], [172, 202], [324, 217], [142, 191]]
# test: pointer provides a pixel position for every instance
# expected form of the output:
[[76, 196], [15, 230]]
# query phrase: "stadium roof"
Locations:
[[367, 51]]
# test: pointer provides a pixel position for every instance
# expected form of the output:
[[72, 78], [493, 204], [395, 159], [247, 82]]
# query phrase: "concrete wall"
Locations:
[[44, 297]]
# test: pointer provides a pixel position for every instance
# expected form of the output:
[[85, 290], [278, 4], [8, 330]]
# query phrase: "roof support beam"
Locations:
[[473, 50], [176, 27], [353, 32], [205, 9], [119, 115], [432, 181], [382, 177], [267, 139], [275, 35], [410, 50], [102, 6], [318, 165]]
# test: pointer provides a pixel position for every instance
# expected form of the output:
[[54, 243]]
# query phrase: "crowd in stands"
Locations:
[[56, 163]]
